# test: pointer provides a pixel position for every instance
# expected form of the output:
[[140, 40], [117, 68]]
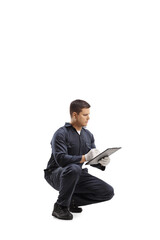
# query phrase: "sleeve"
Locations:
[[99, 166], [93, 142], [60, 151]]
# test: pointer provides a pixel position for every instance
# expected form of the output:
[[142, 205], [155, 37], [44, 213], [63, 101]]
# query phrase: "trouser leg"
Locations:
[[91, 189], [64, 180]]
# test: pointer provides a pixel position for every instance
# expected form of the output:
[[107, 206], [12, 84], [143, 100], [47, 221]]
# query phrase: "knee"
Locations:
[[108, 192], [73, 169]]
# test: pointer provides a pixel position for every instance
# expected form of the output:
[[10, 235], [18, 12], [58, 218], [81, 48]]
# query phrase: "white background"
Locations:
[[107, 53]]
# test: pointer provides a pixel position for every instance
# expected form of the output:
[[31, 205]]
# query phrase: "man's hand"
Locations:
[[104, 161], [83, 159], [91, 154]]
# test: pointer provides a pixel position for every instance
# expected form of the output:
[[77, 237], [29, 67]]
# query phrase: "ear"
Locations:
[[74, 115]]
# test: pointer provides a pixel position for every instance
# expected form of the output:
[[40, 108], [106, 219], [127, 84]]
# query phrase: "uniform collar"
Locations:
[[67, 124]]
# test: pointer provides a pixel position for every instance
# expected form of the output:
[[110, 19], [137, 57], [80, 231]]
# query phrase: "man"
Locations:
[[72, 145]]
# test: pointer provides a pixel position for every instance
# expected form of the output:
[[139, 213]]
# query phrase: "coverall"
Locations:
[[64, 171]]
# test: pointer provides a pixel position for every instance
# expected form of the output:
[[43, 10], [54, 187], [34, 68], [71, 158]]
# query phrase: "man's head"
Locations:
[[79, 111]]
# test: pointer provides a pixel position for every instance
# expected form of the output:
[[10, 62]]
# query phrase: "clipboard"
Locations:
[[105, 153]]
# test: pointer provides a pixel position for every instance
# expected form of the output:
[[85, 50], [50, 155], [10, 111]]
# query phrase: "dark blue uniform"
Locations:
[[64, 171]]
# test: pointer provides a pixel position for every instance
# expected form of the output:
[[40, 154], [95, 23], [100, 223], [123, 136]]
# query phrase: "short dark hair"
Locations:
[[77, 105]]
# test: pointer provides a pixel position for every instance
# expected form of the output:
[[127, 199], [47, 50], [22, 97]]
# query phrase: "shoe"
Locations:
[[74, 208], [61, 212]]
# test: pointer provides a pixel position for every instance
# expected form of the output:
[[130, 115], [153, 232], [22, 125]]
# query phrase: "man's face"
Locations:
[[83, 117]]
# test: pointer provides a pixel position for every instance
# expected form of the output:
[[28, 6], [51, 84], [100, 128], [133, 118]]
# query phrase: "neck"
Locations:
[[76, 126]]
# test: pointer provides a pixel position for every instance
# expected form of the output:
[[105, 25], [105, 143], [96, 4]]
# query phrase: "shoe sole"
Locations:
[[63, 218], [74, 211]]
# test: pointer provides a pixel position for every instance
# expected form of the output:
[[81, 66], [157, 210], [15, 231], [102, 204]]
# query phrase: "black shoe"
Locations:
[[61, 212], [74, 208]]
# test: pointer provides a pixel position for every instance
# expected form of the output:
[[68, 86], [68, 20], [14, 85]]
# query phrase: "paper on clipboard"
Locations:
[[106, 153]]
